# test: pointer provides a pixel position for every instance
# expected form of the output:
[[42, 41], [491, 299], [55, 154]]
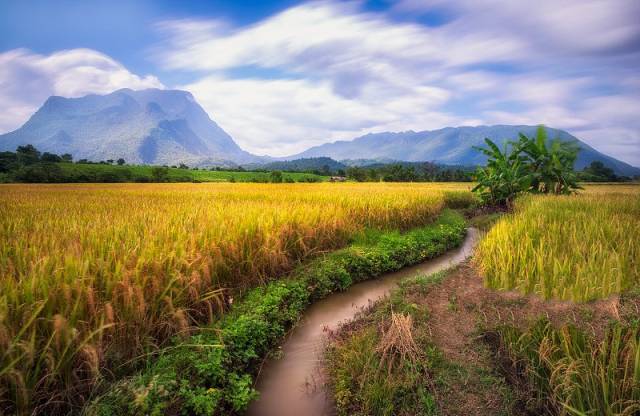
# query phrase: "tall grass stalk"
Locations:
[[571, 374]]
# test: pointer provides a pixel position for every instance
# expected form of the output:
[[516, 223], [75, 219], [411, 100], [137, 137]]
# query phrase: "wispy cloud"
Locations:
[[27, 79], [329, 70], [344, 71]]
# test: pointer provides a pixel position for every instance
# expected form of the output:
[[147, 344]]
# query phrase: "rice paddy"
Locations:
[[579, 247], [94, 276]]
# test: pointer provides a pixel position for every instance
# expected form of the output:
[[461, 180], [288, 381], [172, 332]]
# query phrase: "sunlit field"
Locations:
[[578, 247], [93, 276]]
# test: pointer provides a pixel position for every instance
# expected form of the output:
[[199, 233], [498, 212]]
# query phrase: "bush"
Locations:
[[160, 173], [276, 176], [41, 172]]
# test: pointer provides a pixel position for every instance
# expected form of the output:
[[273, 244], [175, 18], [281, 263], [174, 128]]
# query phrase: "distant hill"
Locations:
[[449, 146], [149, 126]]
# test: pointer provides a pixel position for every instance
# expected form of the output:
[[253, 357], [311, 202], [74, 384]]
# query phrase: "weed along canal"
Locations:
[[292, 384]]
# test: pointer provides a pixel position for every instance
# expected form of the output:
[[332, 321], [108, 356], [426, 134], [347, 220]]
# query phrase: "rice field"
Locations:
[[94, 276], [577, 248]]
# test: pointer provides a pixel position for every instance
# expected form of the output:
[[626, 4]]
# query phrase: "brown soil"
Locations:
[[460, 309]]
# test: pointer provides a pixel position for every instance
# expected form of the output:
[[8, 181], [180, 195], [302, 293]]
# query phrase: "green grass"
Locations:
[[91, 173]]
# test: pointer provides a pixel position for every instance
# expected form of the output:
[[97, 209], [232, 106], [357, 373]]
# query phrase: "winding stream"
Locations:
[[293, 384]]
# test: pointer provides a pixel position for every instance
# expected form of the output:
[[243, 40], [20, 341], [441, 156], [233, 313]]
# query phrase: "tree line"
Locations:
[[409, 172], [28, 165]]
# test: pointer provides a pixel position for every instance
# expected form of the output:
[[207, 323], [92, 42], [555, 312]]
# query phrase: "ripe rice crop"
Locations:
[[578, 247], [570, 373], [93, 276]]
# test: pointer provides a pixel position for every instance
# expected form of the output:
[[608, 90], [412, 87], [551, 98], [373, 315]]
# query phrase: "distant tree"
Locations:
[[66, 157], [121, 162], [50, 157], [83, 161], [183, 166], [110, 161], [27, 154], [357, 173], [276, 176], [8, 161], [40, 173], [160, 173], [598, 172]]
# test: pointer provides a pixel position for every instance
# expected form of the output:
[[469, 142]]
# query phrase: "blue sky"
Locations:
[[281, 76]]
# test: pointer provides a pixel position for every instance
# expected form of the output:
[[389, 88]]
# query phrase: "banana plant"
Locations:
[[551, 167], [505, 175], [528, 165]]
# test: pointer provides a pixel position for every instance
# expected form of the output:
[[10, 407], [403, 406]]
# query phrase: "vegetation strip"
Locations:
[[212, 372]]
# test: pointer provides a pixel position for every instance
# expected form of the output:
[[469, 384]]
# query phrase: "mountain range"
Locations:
[[451, 146], [156, 126], [149, 126]]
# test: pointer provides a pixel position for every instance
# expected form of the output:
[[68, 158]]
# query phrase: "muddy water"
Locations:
[[292, 385]]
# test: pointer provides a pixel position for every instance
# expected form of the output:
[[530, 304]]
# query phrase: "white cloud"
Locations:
[[329, 70], [281, 117], [567, 26], [341, 71], [27, 79]]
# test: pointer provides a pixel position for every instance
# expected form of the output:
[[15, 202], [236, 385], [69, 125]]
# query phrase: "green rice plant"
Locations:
[[93, 277], [578, 247], [571, 374]]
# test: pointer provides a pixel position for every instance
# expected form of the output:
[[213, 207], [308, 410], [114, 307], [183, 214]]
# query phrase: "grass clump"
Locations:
[[568, 372], [364, 384], [575, 248], [212, 372]]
